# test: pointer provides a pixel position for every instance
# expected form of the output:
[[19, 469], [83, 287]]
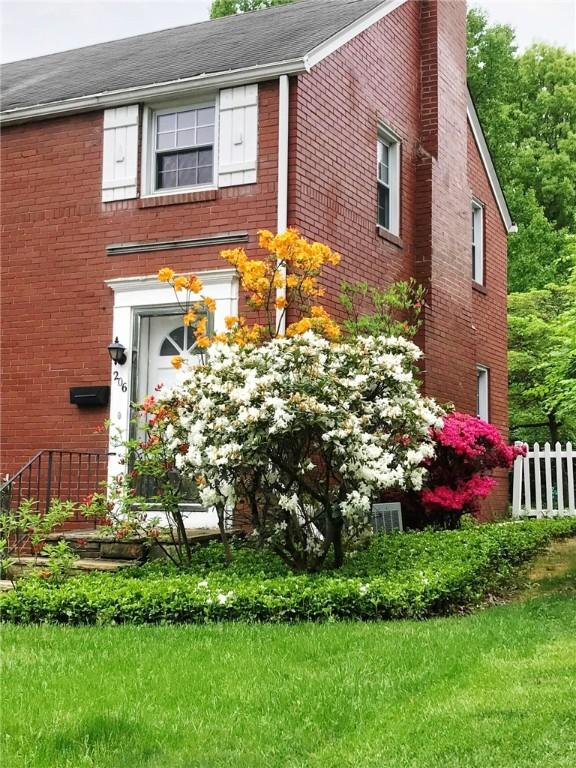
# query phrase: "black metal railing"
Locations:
[[55, 474]]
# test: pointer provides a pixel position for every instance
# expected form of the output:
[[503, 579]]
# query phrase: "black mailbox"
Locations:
[[89, 397]]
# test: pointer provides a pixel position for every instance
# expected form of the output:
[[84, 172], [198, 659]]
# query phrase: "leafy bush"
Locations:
[[404, 575], [467, 449]]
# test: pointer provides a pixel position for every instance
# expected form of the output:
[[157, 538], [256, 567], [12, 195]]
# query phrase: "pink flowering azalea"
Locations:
[[456, 499], [467, 450]]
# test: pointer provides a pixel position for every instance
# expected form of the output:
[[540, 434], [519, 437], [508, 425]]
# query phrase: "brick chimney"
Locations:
[[442, 248]]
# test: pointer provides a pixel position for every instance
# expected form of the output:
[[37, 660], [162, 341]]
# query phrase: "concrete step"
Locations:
[[83, 565], [97, 544]]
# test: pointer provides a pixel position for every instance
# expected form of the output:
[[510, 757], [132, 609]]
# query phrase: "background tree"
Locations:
[[229, 7], [527, 105], [542, 360]]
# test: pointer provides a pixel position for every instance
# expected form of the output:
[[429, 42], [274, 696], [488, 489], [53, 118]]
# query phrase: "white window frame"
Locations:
[[477, 243], [389, 139], [483, 392], [150, 113]]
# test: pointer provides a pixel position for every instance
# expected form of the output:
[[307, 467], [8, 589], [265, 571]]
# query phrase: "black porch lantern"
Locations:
[[117, 352]]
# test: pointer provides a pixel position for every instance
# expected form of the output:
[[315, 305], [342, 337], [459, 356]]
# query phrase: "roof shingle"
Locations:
[[278, 34]]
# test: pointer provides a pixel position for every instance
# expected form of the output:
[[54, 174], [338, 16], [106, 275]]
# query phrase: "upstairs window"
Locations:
[[477, 242], [184, 147], [388, 182]]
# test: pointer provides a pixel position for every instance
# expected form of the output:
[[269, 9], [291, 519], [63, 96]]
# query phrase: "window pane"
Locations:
[[482, 393], [166, 141], [168, 349], [184, 169], [186, 138], [167, 180], [205, 174], [187, 119], [206, 116], [383, 173], [187, 160], [166, 122], [177, 337], [205, 157], [205, 135], [167, 162], [383, 206], [187, 177]]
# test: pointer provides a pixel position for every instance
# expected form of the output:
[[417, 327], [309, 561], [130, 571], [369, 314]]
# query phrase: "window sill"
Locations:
[[479, 288], [385, 234], [176, 198]]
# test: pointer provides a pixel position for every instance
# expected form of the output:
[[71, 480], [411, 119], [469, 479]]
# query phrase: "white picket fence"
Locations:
[[544, 481]]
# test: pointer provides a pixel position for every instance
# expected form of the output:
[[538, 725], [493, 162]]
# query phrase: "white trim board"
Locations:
[[478, 134]]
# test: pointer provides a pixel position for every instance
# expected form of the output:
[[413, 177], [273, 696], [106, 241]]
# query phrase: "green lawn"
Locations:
[[492, 690]]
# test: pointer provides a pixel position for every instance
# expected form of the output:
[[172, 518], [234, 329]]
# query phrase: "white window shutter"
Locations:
[[238, 136], [120, 153]]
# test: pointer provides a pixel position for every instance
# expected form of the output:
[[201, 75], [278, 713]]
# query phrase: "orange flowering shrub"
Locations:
[[193, 309], [286, 277]]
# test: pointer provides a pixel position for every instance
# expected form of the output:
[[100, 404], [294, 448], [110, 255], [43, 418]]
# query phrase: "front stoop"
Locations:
[[98, 551], [103, 546], [24, 564]]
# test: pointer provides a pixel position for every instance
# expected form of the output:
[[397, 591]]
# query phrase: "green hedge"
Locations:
[[404, 575]]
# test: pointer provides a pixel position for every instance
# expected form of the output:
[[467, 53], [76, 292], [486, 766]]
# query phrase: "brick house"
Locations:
[[348, 119]]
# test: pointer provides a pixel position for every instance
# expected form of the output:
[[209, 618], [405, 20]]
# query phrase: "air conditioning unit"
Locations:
[[387, 517]]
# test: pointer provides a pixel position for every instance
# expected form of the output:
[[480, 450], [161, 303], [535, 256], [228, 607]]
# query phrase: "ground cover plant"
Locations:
[[403, 575], [490, 690]]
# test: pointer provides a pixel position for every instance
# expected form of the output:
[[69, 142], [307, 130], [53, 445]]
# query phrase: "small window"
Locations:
[[482, 392], [388, 182], [184, 147], [477, 242]]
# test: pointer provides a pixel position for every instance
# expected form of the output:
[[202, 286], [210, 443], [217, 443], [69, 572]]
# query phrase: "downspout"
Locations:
[[282, 220]]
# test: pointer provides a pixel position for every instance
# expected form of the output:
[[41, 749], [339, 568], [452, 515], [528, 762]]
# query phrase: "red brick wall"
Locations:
[[56, 310], [417, 62], [489, 312], [333, 145]]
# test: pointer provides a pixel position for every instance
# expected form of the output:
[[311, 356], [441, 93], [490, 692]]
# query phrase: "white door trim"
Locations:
[[131, 296]]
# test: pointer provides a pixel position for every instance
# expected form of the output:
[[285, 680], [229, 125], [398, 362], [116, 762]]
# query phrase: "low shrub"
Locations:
[[467, 450], [411, 575]]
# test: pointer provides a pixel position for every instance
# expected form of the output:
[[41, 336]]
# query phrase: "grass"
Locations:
[[491, 690]]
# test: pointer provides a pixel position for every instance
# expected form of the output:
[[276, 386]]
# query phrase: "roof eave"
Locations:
[[137, 94], [332, 44], [478, 134]]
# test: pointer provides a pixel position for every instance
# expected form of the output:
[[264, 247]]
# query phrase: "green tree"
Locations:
[[527, 105], [229, 7], [542, 363]]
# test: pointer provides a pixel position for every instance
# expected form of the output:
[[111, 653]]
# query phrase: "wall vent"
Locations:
[[387, 518]]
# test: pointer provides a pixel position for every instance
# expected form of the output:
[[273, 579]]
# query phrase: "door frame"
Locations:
[[146, 295]]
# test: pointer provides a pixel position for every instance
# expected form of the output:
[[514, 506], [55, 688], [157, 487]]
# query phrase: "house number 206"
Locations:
[[120, 381]]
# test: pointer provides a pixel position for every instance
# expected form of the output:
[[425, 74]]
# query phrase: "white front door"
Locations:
[[163, 337]]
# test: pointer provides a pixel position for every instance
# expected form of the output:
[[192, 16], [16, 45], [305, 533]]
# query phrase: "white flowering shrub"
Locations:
[[301, 434]]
